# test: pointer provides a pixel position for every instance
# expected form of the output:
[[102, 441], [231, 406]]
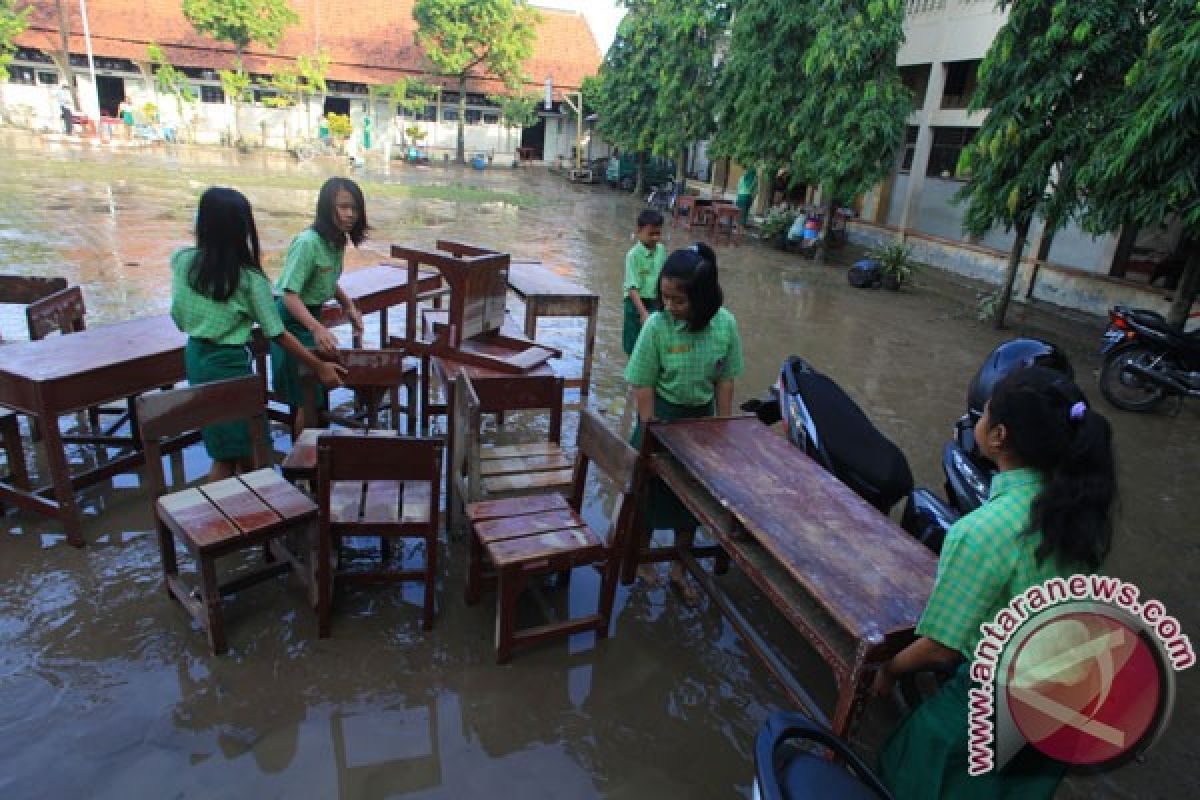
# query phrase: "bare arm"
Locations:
[[924, 653], [326, 342], [644, 397], [724, 398], [639, 305], [350, 310], [329, 373]]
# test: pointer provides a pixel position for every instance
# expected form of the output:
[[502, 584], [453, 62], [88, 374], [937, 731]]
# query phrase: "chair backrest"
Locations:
[[23, 290], [162, 415], [526, 393], [370, 372], [62, 312], [683, 205], [598, 443], [363, 459]]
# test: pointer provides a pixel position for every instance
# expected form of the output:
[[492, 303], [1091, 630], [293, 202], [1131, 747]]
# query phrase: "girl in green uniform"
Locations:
[[1048, 515], [218, 294], [686, 357], [310, 279]]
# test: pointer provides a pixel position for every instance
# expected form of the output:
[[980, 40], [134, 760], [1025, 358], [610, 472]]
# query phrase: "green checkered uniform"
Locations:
[[311, 270], [642, 268], [217, 337], [988, 558], [684, 369]]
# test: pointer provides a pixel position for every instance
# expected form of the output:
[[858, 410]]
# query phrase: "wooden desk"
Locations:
[[525, 153], [52, 377], [851, 581], [376, 289], [548, 295]]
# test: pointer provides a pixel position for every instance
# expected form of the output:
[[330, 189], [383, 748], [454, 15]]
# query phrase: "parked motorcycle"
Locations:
[[823, 421], [1146, 360]]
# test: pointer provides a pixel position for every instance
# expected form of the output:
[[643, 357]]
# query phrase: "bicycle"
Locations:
[[662, 197]]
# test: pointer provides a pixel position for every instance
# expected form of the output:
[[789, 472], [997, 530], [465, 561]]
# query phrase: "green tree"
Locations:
[[408, 95], [236, 85], [626, 85], [517, 110], [1052, 79], [1147, 168], [172, 82], [476, 38], [295, 84], [13, 21]]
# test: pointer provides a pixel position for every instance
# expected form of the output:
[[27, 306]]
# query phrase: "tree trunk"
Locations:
[[1185, 293], [639, 186], [1010, 273], [462, 120], [681, 171], [826, 227]]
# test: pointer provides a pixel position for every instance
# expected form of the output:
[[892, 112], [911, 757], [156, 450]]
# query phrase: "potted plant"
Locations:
[[776, 226], [896, 263]]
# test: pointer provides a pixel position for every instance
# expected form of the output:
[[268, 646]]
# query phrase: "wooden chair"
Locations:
[[247, 511], [727, 218], [685, 204], [527, 537], [480, 472], [385, 486], [373, 375]]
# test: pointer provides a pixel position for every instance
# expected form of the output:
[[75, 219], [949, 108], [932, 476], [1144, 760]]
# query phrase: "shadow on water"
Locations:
[[107, 691]]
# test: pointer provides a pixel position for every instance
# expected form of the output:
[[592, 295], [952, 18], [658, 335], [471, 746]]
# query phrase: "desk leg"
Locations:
[[60, 477], [852, 697], [452, 500], [531, 317], [589, 346]]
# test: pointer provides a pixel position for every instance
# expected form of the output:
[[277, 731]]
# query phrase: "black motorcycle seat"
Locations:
[[863, 458]]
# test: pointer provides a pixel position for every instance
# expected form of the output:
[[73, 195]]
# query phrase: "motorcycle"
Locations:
[[1146, 360], [825, 422]]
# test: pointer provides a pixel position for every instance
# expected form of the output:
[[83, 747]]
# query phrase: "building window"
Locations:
[[960, 83], [212, 94], [345, 87], [21, 75], [948, 144], [30, 54], [200, 74], [474, 116], [262, 94], [916, 79], [491, 119], [450, 115], [48, 78], [910, 148]]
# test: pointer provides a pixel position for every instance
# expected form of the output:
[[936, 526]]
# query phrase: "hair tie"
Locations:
[[1078, 410]]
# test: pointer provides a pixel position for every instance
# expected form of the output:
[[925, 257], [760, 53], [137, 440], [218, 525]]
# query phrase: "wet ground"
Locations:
[[107, 691]]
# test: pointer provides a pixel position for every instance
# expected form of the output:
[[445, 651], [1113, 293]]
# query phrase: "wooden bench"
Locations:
[[246, 511], [846, 577], [546, 294]]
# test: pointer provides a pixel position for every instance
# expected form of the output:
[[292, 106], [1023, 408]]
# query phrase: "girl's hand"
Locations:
[[884, 682], [326, 342], [330, 374], [356, 321], [645, 315]]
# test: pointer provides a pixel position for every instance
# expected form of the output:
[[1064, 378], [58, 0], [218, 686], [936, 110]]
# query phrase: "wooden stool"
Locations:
[[522, 538], [728, 217], [246, 511]]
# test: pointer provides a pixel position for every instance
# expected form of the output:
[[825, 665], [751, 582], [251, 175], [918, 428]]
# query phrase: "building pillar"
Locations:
[[920, 163]]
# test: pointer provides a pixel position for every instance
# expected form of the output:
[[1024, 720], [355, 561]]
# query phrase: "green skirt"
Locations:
[[926, 756], [285, 375], [206, 362], [663, 510], [633, 321]]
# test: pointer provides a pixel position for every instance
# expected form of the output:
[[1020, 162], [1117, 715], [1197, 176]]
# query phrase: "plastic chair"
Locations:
[[784, 771]]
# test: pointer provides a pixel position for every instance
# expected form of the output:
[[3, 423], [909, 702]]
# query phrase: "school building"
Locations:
[[369, 42]]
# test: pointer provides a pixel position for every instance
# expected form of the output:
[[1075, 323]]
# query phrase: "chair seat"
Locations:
[[234, 512], [540, 466], [552, 549], [497, 530], [515, 506]]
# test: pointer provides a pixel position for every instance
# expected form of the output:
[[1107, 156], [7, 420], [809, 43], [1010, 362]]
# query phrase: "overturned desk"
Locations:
[[846, 577], [546, 294]]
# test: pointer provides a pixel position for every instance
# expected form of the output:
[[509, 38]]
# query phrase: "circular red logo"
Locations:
[[1084, 688]]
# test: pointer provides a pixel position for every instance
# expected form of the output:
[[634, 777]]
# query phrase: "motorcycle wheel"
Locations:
[[1126, 391]]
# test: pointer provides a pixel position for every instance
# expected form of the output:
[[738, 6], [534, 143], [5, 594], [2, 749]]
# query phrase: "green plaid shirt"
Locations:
[[222, 323], [312, 268], [642, 268], [986, 561], [684, 367]]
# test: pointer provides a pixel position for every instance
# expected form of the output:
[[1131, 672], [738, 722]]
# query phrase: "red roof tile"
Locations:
[[374, 43]]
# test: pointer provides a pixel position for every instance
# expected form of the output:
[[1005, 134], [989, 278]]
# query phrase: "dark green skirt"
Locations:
[[285, 375], [664, 511], [926, 756], [633, 321], [206, 362]]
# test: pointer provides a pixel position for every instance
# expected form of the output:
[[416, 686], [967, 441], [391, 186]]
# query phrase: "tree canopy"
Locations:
[[241, 22], [476, 38], [1051, 79], [13, 22]]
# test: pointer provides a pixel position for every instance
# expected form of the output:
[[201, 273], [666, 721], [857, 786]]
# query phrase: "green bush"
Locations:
[[895, 260], [340, 126], [778, 223]]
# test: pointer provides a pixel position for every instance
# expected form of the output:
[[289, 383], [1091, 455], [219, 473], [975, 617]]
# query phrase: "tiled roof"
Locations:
[[369, 41]]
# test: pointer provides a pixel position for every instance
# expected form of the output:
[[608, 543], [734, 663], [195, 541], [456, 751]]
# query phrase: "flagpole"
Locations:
[[87, 38]]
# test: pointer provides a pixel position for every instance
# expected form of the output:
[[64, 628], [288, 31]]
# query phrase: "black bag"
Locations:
[[865, 274]]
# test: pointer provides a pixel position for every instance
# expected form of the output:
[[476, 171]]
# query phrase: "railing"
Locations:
[[912, 7]]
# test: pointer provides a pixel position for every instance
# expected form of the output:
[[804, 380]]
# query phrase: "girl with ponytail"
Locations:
[[1048, 515], [685, 361]]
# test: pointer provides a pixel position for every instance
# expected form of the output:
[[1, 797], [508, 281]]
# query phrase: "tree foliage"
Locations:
[[171, 82], [1146, 168], [476, 38], [13, 21], [517, 110], [1051, 79], [241, 22]]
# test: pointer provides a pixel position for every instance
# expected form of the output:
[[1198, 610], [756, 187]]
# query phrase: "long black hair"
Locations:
[[226, 241], [695, 268], [326, 220], [1052, 429]]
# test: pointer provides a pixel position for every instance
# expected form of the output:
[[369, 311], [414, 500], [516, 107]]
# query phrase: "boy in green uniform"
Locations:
[[643, 264], [310, 279], [218, 294]]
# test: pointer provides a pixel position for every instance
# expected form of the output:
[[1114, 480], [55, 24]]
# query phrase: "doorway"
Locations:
[[111, 92], [534, 137], [337, 105]]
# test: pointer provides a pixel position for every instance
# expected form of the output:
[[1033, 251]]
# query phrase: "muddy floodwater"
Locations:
[[107, 691]]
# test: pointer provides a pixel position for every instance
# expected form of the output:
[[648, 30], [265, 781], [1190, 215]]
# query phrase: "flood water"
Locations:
[[106, 690]]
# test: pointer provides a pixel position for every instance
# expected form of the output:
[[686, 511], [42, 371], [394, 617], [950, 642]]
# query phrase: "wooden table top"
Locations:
[[871, 575], [91, 350], [532, 279]]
